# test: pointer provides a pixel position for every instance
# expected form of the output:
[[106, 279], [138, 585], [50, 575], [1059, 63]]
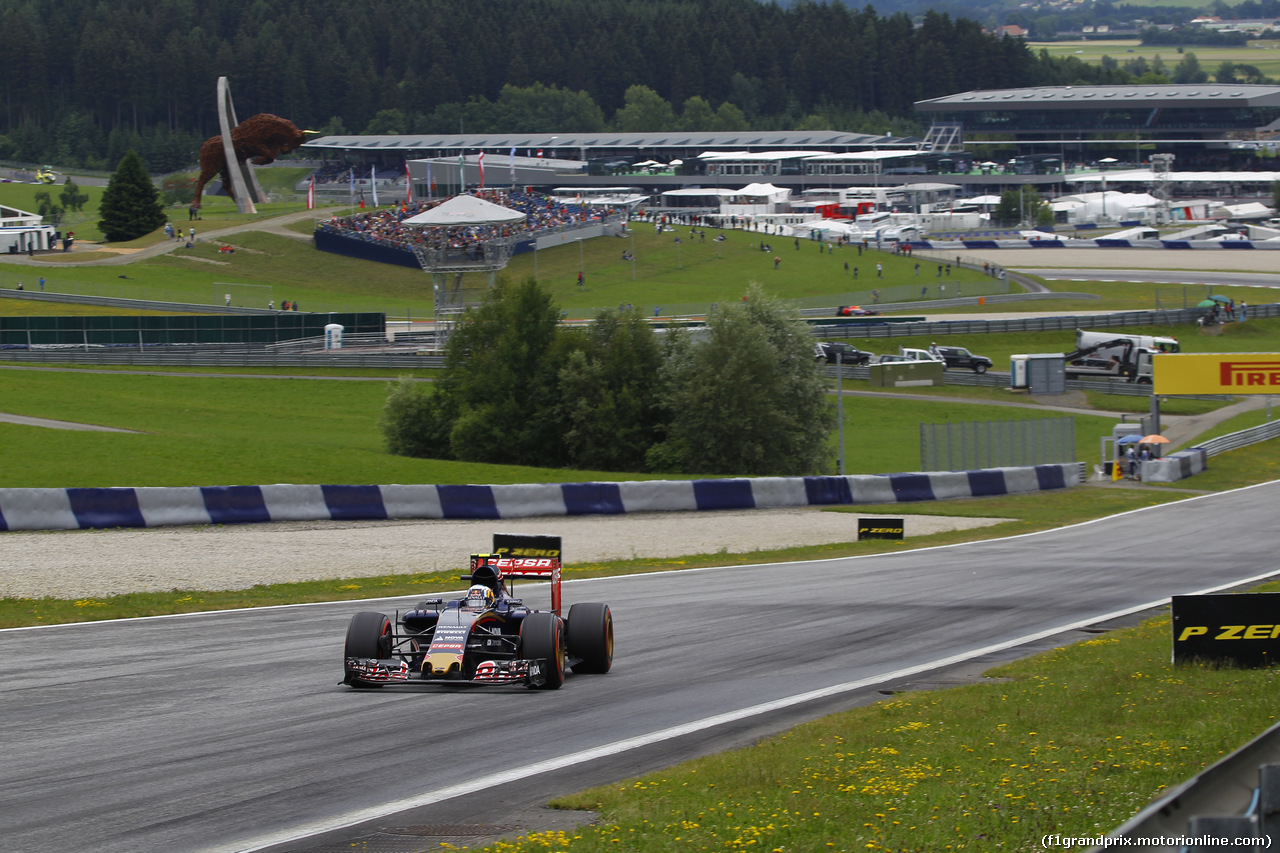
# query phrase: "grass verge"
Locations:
[[1070, 742]]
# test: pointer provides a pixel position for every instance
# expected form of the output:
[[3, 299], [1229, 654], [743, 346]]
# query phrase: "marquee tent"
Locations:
[[464, 210]]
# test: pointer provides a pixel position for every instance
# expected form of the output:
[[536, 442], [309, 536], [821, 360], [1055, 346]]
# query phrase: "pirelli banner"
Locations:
[[1242, 629], [1237, 373]]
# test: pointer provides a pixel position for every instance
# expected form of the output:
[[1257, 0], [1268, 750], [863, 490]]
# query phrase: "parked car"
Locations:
[[826, 351], [893, 358], [961, 358]]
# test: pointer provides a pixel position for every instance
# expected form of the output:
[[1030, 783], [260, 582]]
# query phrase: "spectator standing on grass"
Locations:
[[1244, 309], [917, 270], [879, 270], [42, 284]]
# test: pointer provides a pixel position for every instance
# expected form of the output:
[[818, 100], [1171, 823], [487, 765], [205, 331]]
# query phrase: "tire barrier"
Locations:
[[85, 508]]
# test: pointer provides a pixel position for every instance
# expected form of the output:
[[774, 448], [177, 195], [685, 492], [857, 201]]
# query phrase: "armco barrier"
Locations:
[[1093, 243], [72, 509]]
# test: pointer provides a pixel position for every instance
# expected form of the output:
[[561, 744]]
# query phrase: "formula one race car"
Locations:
[[487, 636]]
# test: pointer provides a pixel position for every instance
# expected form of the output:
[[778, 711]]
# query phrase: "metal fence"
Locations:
[[1172, 317], [971, 445], [1243, 438]]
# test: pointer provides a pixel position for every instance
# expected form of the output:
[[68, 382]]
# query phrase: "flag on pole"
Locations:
[[408, 183], [311, 194], [480, 163], [431, 185], [513, 166], [462, 174], [351, 186], [373, 182]]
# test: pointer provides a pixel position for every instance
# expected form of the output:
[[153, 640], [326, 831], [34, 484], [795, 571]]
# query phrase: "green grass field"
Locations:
[[1263, 53], [1072, 742]]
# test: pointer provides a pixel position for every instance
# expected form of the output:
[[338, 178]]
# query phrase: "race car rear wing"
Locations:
[[526, 555]]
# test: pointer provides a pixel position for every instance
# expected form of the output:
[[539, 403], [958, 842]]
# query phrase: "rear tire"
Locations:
[[542, 637], [979, 368], [590, 635]]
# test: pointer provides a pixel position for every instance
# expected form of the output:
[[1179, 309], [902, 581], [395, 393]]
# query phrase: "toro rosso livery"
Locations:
[[487, 636]]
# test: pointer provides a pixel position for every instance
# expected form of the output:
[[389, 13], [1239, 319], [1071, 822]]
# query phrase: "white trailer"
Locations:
[[1152, 342]]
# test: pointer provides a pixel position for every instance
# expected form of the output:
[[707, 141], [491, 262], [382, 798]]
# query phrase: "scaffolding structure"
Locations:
[[447, 265]]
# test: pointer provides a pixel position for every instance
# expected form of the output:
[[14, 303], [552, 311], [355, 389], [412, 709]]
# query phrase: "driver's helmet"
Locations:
[[479, 598]]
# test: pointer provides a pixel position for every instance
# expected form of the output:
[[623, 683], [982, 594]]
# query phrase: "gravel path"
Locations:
[[87, 564]]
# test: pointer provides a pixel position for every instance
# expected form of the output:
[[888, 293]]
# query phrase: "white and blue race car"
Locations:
[[488, 636]]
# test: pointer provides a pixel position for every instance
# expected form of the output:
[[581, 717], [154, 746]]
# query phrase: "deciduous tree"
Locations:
[[747, 398]]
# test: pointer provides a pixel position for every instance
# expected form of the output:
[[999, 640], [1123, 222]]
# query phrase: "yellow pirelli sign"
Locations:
[[1237, 373]]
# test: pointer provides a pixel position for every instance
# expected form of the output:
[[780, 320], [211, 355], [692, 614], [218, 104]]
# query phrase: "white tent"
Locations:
[[463, 210], [1249, 210], [762, 191]]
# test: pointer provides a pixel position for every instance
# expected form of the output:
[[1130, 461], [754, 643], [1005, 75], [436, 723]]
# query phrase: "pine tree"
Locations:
[[130, 206]]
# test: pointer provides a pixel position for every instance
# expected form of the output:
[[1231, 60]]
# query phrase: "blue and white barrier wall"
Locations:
[[1175, 466], [73, 509]]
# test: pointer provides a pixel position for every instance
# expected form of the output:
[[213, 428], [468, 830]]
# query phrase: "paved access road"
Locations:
[[229, 731]]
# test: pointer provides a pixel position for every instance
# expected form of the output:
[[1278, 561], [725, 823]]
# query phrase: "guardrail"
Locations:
[[1236, 798], [1243, 438], [997, 379], [404, 360], [1174, 317]]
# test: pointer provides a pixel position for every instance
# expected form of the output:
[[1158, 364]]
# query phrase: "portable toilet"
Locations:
[[1039, 373], [1018, 371], [333, 336]]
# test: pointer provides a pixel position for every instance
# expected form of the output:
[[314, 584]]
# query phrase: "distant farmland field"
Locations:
[[1265, 54]]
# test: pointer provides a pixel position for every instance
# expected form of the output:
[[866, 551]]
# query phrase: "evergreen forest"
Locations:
[[87, 81]]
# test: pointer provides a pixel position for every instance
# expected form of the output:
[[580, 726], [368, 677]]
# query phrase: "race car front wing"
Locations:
[[531, 673]]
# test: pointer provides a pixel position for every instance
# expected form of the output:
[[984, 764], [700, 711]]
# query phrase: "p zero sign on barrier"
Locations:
[[1243, 629], [880, 528]]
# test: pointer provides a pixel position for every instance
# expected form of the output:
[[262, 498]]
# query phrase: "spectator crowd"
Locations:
[[386, 226]]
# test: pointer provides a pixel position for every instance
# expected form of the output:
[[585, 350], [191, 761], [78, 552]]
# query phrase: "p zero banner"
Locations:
[[526, 545], [880, 528], [1237, 373], [1243, 629]]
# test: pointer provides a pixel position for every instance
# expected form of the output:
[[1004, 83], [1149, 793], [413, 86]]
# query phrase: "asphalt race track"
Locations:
[[230, 731]]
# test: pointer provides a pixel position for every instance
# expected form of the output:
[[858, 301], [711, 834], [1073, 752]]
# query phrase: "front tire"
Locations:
[[368, 636], [542, 637], [590, 635]]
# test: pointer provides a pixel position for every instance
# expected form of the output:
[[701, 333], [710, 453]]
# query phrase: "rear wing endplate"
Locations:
[[530, 555]]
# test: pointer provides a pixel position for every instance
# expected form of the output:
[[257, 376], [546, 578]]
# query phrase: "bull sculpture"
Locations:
[[260, 138]]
